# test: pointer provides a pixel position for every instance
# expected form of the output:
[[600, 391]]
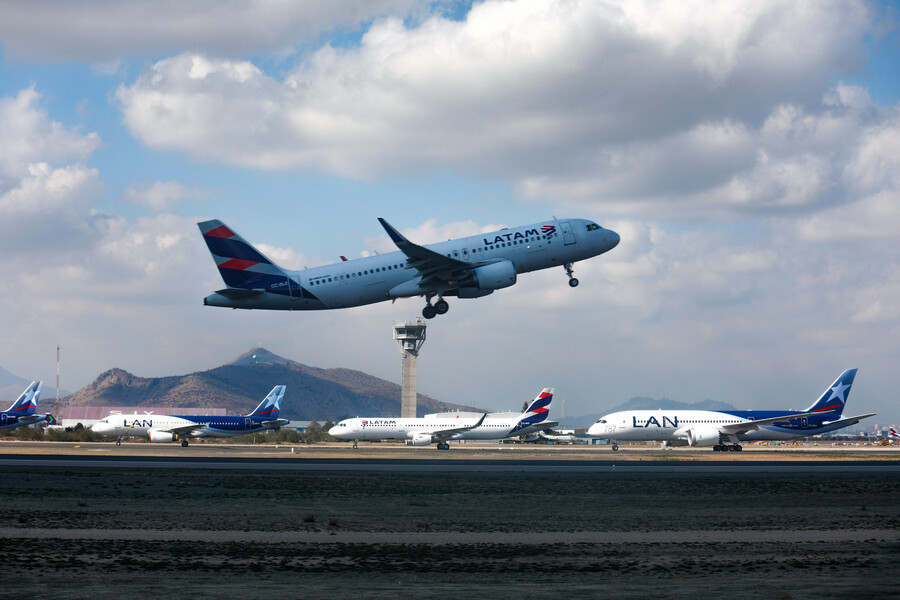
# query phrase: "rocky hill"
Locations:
[[240, 385]]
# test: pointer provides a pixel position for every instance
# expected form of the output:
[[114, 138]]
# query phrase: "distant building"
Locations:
[[70, 416]]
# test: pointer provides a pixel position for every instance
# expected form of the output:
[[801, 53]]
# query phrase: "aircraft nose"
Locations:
[[612, 238]]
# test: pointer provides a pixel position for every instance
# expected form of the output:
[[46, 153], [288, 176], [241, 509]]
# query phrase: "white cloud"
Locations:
[[29, 136], [164, 195], [104, 32], [537, 91]]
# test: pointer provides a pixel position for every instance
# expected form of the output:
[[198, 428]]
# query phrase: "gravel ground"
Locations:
[[76, 533]]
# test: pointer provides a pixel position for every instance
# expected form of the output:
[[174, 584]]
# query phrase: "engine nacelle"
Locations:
[[160, 437], [419, 439], [702, 436], [494, 276]]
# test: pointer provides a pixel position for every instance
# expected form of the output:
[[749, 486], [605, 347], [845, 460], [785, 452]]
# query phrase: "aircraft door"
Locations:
[[3, 419], [568, 234], [246, 422], [465, 254]]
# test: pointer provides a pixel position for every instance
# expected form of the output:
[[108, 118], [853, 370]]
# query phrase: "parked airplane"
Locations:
[[717, 428], [22, 410], [169, 428], [893, 436], [447, 426], [468, 267]]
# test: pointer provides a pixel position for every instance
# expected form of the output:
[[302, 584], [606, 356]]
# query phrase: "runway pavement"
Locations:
[[520, 460]]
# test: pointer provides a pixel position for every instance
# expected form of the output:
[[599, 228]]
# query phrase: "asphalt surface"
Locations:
[[502, 467]]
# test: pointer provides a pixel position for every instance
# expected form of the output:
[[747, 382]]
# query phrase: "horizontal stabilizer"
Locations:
[[848, 420], [238, 293]]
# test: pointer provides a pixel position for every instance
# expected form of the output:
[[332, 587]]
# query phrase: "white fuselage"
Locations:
[[142, 425], [672, 425], [493, 428], [389, 276]]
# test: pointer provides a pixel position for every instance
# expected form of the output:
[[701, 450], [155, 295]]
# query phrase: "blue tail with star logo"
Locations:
[[832, 401]]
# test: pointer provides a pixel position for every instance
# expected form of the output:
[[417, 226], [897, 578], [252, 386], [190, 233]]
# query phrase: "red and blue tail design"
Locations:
[[270, 407], [893, 434], [243, 266], [27, 402], [835, 397], [538, 410]]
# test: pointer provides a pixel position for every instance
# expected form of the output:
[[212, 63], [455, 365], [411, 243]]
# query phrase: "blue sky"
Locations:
[[749, 166]]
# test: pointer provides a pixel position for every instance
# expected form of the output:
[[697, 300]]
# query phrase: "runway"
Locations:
[[507, 467]]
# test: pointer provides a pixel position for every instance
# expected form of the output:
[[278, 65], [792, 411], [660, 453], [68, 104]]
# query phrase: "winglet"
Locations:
[[395, 235]]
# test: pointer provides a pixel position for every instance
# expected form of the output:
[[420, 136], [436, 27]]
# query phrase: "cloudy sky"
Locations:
[[747, 153]]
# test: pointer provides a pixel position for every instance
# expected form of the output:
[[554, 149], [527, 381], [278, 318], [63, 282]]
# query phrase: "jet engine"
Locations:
[[419, 439], [494, 276], [161, 437], [702, 436]]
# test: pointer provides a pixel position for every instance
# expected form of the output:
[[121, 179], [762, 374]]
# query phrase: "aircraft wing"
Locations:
[[433, 267], [849, 420], [275, 424], [443, 434], [184, 429], [746, 426]]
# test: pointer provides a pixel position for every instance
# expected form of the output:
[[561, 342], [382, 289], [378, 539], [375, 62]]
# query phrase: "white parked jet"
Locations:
[[448, 426], [468, 267], [169, 428], [718, 427]]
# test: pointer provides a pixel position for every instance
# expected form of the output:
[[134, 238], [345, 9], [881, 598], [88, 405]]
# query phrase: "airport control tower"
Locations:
[[410, 336]]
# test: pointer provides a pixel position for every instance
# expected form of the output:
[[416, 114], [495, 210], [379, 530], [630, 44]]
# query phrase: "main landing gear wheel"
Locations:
[[429, 311], [118, 442], [572, 281], [615, 447], [441, 307], [184, 443], [443, 446]]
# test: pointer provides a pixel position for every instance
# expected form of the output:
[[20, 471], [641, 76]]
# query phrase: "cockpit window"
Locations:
[[593, 227]]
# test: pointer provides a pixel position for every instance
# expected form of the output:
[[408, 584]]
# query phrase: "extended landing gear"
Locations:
[[354, 444], [615, 447], [184, 443], [727, 448], [572, 281], [119, 442], [443, 446], [438, 308]]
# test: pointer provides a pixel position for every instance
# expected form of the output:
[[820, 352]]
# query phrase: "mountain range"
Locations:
[[312, 393]]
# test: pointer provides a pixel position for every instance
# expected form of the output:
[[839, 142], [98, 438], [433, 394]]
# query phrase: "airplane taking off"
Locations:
[[169, 428], [448, 426], [22, 410], [718, 427], [468, 267]]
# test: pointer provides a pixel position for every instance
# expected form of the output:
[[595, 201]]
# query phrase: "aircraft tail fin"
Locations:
[[27, 402], [835, 397], [893, 435], [240, 264], [538, 410], [271, 404]]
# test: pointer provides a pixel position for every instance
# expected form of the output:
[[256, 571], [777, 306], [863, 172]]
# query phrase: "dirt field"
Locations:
[[151, 533]]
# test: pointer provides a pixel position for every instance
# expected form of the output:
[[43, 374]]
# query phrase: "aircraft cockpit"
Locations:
[[593, 227]]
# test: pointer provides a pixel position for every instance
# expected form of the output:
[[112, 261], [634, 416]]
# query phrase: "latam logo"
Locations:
[[379, 423], [518, 235]]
